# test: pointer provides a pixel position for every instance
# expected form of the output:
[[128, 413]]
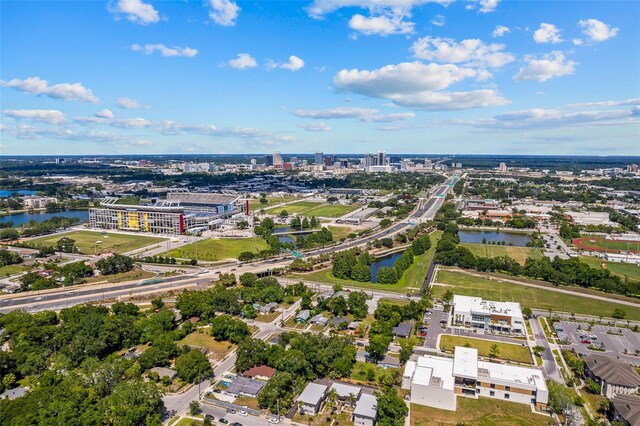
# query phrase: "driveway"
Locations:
[[548, 362]]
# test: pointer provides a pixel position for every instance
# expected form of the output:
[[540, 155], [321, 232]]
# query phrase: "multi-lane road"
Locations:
[[56, 299]]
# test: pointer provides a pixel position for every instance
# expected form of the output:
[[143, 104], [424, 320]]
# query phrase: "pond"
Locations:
[[288, 238], [383, 261], [476, 237], [22, 218], [8, 192]]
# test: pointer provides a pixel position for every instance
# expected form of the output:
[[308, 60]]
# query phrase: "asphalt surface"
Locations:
[[548, 362], [615, 340]]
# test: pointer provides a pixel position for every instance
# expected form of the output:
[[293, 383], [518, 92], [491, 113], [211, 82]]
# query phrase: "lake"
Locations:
[[476, 237], [383, 261], [287, 238], [21, 218], [7, 193]]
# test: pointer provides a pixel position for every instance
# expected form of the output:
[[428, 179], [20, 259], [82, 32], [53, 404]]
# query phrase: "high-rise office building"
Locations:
[[503, 167], [428, 164], [318, 158], [277, 159], [268, 160]]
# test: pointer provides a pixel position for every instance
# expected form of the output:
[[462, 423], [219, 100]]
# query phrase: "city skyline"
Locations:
[[439, 77]]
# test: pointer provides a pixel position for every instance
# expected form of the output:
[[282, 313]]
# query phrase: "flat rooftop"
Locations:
[[488, 307]]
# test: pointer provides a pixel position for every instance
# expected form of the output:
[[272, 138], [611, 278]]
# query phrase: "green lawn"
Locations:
[[8, 270], [508, 351], [340, 232], [86, 241], [411, 280], [254, 204], [202, 340], [134, 274], [218, 248], [489, 250], [602, 244], [621, 269], [310, 208], [479, 412], [467, 285]]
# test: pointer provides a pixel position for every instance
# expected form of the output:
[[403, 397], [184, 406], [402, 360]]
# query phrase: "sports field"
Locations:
[[507, 351], [254, 204], [519, 254], [217, 248], [622, 269], [87, 241], [310, 208], [604, 245], [479, 412], [536, 298]]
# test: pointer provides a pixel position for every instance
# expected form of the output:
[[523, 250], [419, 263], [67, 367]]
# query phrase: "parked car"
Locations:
[[587, 341], [243, 413], [216, 390], [274, 420], [231, 411], [236, 424], [223, 421]]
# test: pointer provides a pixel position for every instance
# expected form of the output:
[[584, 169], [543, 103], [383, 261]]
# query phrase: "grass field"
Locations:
[[110, 242], [479, 412], [218, 248], [411, 280], [508, 351], [135, 274], [254, 204], [543, 299], [8, 270], [340, 232], [202, 340], [488, 250], [310, 208], [593, 243], [621, 269]]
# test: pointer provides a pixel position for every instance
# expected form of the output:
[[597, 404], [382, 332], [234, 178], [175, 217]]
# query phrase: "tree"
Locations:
[[193, 366], [526, 311], [387, 275], [278, 392], [494, 351], [157, 303], [361, 272], [250, 352], [378, 345], [194, 408], [391, 408], [66, 245], [447, 297], [228, 328], [421, 245], [357, 303], [618, 313], [284, 213], [246, 256], [133, 403], [114, 264]]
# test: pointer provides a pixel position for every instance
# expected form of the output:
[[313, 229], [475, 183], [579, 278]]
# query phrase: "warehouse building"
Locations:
[[181, 212]]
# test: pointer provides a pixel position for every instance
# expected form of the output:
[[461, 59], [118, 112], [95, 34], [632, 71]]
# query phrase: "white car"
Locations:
[[274, 420], [243, 413]]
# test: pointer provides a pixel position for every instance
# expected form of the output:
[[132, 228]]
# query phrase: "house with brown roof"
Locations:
[[614, 376], [261, 372], [626, 409]]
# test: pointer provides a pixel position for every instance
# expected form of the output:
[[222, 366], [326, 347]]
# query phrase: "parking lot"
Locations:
[[612, 339], [434, 328]]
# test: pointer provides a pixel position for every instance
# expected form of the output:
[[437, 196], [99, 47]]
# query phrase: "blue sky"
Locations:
[[405, 76]]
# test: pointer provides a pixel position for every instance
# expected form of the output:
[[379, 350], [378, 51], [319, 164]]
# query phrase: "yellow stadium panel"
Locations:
[[119, 220], [145, 220]]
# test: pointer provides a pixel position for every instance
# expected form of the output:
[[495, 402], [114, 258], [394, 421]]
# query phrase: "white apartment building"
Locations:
[[485, 314], [438, 381], [39, 202], [590, 218]]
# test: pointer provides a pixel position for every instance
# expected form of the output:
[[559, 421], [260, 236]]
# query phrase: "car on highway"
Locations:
[[37, 299], [223, 421]]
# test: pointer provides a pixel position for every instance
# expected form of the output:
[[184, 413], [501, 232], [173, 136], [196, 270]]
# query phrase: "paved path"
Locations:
[[548, 361]]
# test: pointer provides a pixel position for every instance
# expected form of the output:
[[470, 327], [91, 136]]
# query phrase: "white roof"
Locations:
[[429, 368], [409, 369], [465, 362], [344, 391], [366, 406], [476, 304], [312, 394], [531, 377]]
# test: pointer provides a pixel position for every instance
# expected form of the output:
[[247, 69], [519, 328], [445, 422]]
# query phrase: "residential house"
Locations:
[[164, 372], [402, 330], [311, 399], [614, 376], [626, 409], [303, 316], [346, 392], [244, 386], [319, 320], [268, 308], [365, 413], [261, 372]]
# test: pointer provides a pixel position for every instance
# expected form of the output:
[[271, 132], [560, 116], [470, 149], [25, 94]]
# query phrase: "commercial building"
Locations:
[[318, 158], [590, 218], [438, 381], [484, 314], [277, 159], [614, 376], [39, 202], [181, 212]]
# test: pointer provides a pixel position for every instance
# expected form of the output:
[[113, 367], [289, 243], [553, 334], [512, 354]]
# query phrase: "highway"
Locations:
[[60, 298]]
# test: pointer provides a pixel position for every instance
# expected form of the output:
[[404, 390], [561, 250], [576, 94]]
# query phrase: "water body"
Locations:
[[288, 238], [515, 238], [383, 261], [22, 218], [7, 193]]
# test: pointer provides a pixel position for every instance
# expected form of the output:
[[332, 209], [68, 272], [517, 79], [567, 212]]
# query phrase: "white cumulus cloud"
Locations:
[[439, 21], [241, 62], [487, 6], [148, 49], [294, 64], [38, 86], [136, 11], [382, 25], [128, 103], [597, 30], [550, 65], [500, 31], [224, 12], [547, 33], [471, 51], [362, 114], [50, 116], [105, 113]]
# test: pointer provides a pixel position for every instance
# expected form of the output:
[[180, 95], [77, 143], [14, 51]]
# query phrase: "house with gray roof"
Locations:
[[319, 320], [268, 308], [345, 391], [626, 409], [244, 386], [13, 393], [311, 399], [614, 376], [164, 372], [366, 411], [337, 321], [402, 330], [303, 316]]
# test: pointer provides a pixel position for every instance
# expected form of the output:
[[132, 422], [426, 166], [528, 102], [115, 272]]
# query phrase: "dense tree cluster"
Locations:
[[9, 258], [226, 328], [388, 316], [49, 226], [115, 264], [355, 304]]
